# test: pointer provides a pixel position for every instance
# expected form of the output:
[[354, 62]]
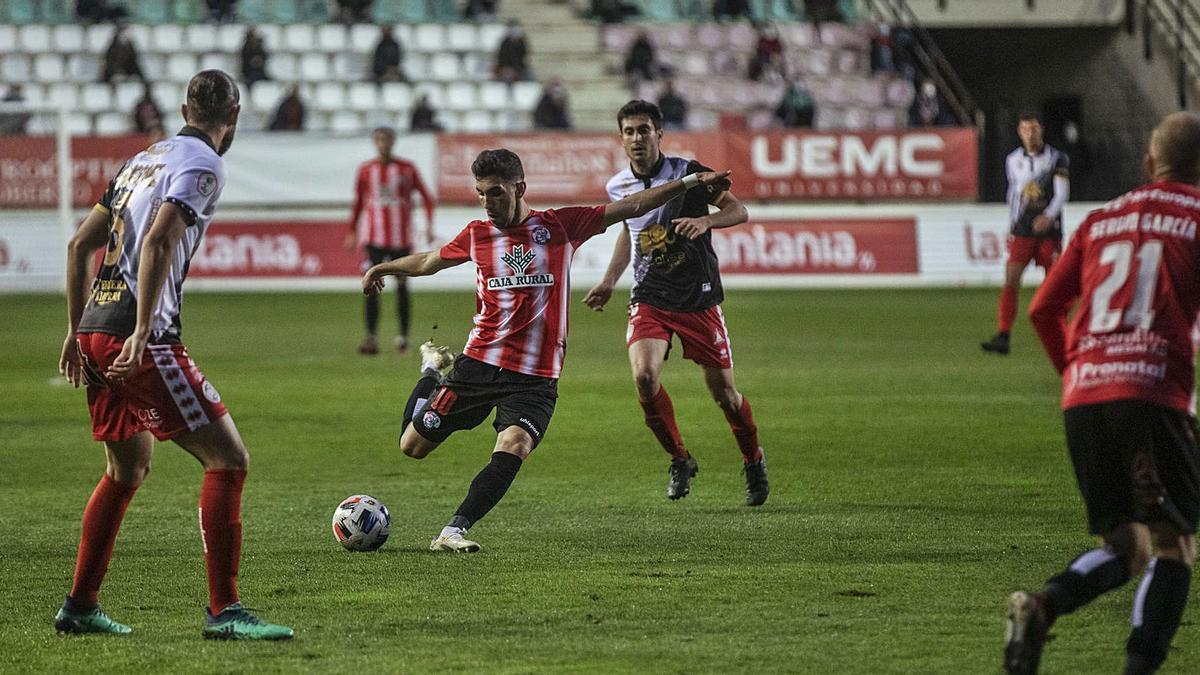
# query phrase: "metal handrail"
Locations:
[[1177, 21]]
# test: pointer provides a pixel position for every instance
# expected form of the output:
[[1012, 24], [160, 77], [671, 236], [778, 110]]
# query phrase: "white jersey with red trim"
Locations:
[[524, 286], [184, 170]]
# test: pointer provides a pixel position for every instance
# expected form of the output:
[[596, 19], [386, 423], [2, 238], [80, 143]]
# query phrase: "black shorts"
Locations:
[[474, 388], [377, 255], [1135, 462]]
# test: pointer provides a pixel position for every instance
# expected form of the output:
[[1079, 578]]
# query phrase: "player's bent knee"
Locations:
[[414, 445], [1169, 542], [1132, 542], [514, 441], [646, 382]]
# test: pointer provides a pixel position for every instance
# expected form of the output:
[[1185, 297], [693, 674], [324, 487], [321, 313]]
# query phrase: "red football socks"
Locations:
[[1008, 308], [660, 417], [221, 530], [101, 522], [745, 432]]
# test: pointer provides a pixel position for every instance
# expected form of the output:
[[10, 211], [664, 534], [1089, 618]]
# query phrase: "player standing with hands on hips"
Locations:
[[1127, 360], [1038, 188], [125, 343]]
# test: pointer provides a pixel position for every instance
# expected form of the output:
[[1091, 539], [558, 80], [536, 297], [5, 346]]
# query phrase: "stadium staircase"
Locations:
[[1173, 27]]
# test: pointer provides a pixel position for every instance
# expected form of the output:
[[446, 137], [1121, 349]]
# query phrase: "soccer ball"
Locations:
[[361, 523]]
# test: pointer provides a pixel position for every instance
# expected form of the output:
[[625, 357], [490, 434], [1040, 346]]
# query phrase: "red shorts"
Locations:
[[166, 395], [703, 334], [1041, 250]]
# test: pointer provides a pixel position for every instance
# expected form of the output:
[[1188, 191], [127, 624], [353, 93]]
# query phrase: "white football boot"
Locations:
[[453, 542], [436, 358]]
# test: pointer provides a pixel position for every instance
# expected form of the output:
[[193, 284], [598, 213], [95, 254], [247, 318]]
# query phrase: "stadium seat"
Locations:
[[8, 34], [395, 96], [299, 37], [112, 123], [476, 66], [127, 94], [429, 37], [283, 66], [314, 67], [461, 96], [332, 38], [181, 67], [35, 93], [154, 66], [525, 95], [695, 63], [858, 118], [329, 96], [490, 35], [168, 95], [230, 38], [416, 67], [362, 96], [494, 95], [272, 37], [63, 95], [477, 121], [96, 97], [316, 120], [445, 67], [349, 66], [900, 93], [83, 68], [79, 124], [98, 37], [265, 95], [218, 61], [16, 68], [49, 68], [34, 39], [345, 122], [140, 35], [869, 92], [711, 36], [202, 38], [450, 121], [364, 37], [798, 35], [41, 125], [168, 38], [461, 37], [615, 38], [434, 91], [678, 36], [67, 38], [885, 118]]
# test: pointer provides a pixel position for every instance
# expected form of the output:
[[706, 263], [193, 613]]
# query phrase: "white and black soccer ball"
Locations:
[[361, 523]]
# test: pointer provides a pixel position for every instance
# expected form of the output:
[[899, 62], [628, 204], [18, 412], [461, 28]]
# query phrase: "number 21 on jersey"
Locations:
[[1138, 314]]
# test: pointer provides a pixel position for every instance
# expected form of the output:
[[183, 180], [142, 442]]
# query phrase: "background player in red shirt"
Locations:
[[515, 352], [1127, 361], [125, 343], [677, 291], [381, 221]]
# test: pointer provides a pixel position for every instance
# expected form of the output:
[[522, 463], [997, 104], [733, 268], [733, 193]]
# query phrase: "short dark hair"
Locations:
[[1030, 116], [501, 163], [384, 130], [638, 107], [211, 97]]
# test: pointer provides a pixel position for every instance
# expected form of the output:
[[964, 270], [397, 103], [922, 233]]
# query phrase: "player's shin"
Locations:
[[101, 522], [745, 431], [660, 417], [1157, 611], [221, 531], [486, 489], [420, 394], [1088, 577]]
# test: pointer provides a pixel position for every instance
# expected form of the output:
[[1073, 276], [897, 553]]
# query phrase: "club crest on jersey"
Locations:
[[206, 183], [518, 260], [431, 420], [541, 235]]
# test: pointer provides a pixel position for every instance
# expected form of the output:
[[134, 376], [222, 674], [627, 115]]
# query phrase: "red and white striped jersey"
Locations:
[[382, 212], [524, 286]]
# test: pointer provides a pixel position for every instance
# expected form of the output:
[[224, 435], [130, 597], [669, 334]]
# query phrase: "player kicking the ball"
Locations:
[[514, 355], [141, 383], [677, 291]]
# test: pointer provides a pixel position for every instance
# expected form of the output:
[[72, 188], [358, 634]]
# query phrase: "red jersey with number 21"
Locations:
[[1135, 267], [524, 286]]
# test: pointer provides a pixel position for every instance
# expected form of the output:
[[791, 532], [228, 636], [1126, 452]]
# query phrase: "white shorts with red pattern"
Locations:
[[166, 395], [703, 334]]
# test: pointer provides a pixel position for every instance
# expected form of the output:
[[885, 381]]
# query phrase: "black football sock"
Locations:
[[372, 314], [420, 393], [1157, 611], [402, 307], [489, 486], [1089, 576]]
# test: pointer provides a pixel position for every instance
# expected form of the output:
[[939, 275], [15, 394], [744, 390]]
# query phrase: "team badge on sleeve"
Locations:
[[206, 183]]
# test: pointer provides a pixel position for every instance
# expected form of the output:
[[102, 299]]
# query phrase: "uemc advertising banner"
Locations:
[[265, 248], [29, 168], [819, 246], [919, 164]]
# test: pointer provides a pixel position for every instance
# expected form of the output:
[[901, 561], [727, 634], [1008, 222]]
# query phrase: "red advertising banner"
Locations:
[[919, 164], [827, 246], [564, 168], [29, 168], [560, 168], [259, 249]]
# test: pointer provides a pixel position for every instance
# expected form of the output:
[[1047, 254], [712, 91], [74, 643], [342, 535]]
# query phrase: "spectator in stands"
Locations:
[[121, 59], [146, 113], [353, 11], [768, 54], [424, 117], [926, 108], [389, 54], [1081, 160], [820, 11], [512, 58], [731, 9], [221, 11], [480, 10], [13, 123], [290, 114], [673, 107], [254, 57], [882, 50], [796, 109], [613, 11], [551, 110], [641, 63], [98, 11]]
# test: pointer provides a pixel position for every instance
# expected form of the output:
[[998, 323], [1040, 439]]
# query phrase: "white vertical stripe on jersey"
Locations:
[[505, 299], [725, 334], [564, 300], [173, 376], [394, 187], [378, 235], [535, 337]]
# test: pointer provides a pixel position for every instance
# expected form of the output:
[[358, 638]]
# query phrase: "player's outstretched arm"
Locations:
[[158, 251], [90, 237], [730, 213], [602, 292], [415, 265], [641, 203]]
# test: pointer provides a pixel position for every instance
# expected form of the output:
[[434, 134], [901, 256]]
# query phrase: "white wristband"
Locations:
[[690, 181]]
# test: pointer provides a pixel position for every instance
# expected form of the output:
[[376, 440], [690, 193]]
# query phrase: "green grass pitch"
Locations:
[[915, 483]]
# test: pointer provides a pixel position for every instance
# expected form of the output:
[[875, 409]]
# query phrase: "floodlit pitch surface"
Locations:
[[915, 483]]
